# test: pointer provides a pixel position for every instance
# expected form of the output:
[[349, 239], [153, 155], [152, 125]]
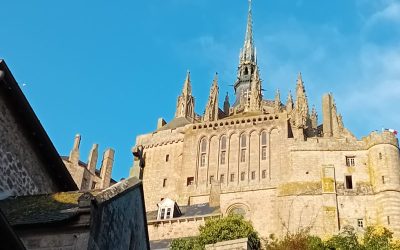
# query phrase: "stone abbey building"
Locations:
[[271, 160]]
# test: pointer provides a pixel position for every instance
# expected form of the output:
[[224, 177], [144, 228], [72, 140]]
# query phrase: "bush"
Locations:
[[231, 227], [377, 238], [299, 241]]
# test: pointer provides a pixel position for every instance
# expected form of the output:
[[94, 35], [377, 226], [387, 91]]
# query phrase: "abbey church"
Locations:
[[273, 161]]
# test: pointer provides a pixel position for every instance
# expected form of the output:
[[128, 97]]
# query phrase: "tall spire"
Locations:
[[185, 104], [248, 52]]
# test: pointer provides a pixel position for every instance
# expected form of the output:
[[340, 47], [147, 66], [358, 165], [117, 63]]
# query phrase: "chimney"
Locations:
[[74, 155], [106, 168], [92, 161]]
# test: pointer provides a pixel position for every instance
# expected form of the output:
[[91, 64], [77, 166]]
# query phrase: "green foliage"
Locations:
[[377, 238], [346, 239], [299, 241], [231, 227], [186, 243]]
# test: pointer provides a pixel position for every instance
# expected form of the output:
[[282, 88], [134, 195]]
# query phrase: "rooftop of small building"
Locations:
[[57, 207], [197, 210]]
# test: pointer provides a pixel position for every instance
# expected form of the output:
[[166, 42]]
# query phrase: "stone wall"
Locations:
[[172, 229], [22, 172], [239, 244]]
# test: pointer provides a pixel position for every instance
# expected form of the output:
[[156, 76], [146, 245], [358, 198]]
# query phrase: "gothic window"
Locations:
[[203, 152], [223, 150], [242, 176], [264, 145], [264, 174], [253, 175], [246, 71], [232, 177], [350, 161], [243, 146]]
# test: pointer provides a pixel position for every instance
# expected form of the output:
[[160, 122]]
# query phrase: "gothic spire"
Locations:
[[187, 86], [227, 105], [211, 113], [289, 103], [277, 102], [185, 104], [248, 51]]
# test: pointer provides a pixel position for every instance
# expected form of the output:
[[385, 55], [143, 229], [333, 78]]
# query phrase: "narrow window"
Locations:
[[360, 223], [223, 143], [203, 152], [243, 155], [349, 182], [164, 183], [380, 156], [263, 152], [167, 158], [388, 220], [222, 178], [350, 161], [263, 174], [242, 176], [232, 177], [222, 161], [203, 160], [264, 138], [93, 185], [189, 181], [162, 198], [243, 141], [253, 175], [162, 214], [168, 215], [211, 179], [383, 179]]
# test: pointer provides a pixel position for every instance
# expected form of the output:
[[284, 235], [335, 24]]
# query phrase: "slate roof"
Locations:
[[175, 123], [41, 209], [190, 211]]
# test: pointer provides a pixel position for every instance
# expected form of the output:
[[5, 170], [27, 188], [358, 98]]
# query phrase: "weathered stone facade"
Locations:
[[274, 162]]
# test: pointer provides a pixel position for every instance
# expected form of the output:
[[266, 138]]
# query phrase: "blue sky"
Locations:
[[109, 69]]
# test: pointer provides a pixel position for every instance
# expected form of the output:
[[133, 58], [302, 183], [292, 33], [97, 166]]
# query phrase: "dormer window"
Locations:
[[168, 209]]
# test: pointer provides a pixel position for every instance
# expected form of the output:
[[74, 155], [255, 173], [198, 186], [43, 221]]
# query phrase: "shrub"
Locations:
[[186, 243]]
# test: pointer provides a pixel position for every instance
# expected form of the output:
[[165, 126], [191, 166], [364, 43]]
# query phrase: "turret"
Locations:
[[106, 168], [277, 102], [226, 104], [74, 155], [185, 104], [289, 103], [211, 112], [256, 95], [314, 118], [92, 161]]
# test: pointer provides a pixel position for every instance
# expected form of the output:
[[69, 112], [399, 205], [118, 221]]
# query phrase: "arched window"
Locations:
[[223, 150], [243, 147], [246, 71], [203, 152], [263, 145]]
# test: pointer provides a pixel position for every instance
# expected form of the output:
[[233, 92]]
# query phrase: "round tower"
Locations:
[[384, 171]]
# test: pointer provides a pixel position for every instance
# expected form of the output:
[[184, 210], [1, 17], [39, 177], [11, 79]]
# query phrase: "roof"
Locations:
[[9, 240], [175, 123], [58, 207], [190, 211], [33, 129], [40, 209]]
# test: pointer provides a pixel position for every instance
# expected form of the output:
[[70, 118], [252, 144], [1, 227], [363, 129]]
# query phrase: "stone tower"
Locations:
[[185, 105]]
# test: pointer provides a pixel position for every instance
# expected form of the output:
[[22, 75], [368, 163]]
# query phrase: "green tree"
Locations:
[[345, 240], [378, 238], [231, 227]]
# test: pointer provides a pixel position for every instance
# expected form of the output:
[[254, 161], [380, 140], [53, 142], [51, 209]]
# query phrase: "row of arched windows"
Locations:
[[223, 147]]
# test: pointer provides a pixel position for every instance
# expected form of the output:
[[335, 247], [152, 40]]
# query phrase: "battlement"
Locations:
[[385, 137]]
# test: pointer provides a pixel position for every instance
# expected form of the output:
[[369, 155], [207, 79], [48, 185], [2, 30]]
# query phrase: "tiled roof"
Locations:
[[190, 211], [37, 209], [175, 123]]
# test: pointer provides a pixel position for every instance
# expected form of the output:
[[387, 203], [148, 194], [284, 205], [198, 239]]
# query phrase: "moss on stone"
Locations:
[[298, 188]]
